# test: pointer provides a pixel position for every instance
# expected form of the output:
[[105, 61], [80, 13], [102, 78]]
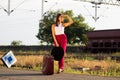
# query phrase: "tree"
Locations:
[[76, 33], [16, 43]]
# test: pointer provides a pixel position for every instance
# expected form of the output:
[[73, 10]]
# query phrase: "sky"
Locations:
[[23, 23]]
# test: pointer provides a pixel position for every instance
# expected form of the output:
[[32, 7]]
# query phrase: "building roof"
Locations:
[[111, 33]]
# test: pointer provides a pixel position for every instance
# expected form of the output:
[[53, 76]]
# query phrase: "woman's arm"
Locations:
[[70, 21], [53, 35]]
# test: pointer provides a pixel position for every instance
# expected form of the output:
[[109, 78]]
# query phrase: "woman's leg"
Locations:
[[62, 40], [63, 43]]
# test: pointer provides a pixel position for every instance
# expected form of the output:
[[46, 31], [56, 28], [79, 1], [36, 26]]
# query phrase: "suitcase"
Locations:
[[48, 65]]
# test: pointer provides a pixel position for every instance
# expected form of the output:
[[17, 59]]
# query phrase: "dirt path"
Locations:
[[13, 74]]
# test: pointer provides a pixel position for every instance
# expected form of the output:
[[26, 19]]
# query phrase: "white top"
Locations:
[[59, 29]]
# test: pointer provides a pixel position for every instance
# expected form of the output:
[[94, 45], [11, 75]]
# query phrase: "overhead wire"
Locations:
[[88, 11], [13, 8], [50, 8], [18, 5], [103, 12], [1, 7]]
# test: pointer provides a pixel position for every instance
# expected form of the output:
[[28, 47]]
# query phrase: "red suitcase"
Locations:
[[48, 65]]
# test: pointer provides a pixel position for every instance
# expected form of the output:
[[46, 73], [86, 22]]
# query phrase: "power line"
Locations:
[[20, 4], [108, 2], [99, 2], [8, 10]]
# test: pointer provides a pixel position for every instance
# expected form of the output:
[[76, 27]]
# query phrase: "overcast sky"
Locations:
[[23, 22]]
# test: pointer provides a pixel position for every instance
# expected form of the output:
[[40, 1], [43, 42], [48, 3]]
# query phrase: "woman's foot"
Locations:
[[60, 70]]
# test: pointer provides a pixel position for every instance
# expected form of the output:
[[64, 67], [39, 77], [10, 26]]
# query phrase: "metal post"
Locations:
[[96, 12], [42, 10], [8, 12], [96, 7]]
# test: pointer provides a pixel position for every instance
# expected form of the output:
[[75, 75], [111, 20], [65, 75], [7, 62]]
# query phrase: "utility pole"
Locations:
[[8, 12], [8, 9], [42, 7], [42, 10], [98, 2], [96, 9]]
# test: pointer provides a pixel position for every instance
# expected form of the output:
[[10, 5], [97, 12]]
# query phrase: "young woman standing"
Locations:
[[60, 39]]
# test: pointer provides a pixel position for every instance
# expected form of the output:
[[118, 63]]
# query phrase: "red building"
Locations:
[[104, 40]]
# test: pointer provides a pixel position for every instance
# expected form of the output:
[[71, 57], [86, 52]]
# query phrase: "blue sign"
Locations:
[[9, 59]]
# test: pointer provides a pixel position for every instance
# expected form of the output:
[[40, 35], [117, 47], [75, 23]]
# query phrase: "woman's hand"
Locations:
[[65, 15], [70, 21], [57, 45]]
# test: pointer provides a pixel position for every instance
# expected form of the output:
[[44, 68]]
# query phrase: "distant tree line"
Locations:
[[16, 43]]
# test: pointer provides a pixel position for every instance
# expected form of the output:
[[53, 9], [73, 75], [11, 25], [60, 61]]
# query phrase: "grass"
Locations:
[[73, 64]]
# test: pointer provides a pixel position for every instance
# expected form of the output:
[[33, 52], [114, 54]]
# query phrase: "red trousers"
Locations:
[[62, 41]]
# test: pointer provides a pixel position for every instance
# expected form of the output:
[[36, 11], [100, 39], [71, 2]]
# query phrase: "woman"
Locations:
[[60, 39]]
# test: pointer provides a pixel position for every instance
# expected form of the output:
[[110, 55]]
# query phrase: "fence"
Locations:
[[76, 49]]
